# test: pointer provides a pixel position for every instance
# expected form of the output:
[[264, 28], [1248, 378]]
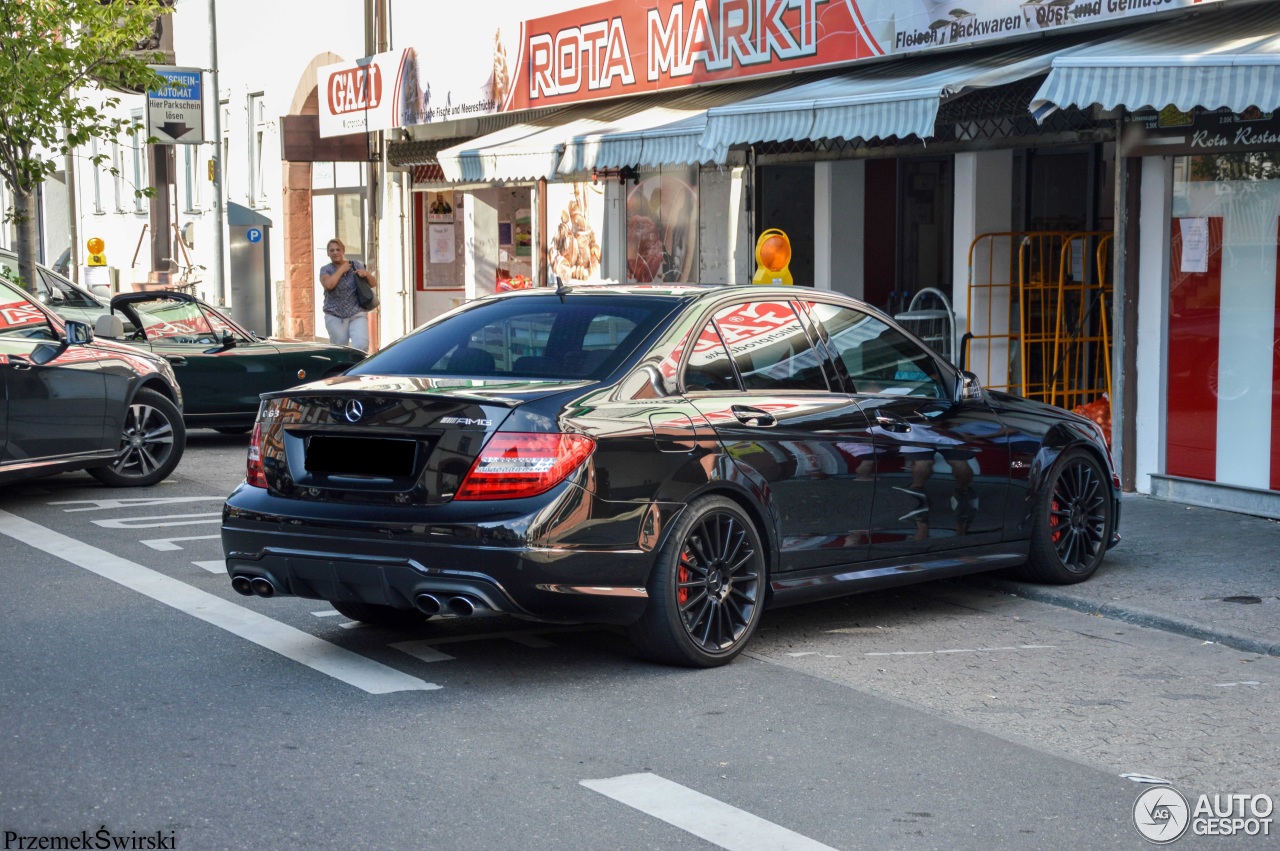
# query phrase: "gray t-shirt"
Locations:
[[341, 300]]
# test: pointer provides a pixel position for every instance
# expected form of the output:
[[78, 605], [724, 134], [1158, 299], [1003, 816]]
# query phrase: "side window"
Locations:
[[770, 348], [63, 295], [878, 359], [709, 367]]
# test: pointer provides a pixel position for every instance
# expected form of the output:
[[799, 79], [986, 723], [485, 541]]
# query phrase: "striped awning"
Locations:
[[1219, 58], [667, 134], [898, 98]]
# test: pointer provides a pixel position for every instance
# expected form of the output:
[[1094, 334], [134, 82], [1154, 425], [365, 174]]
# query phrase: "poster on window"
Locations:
[[440, 208], [662, 227], [575, 219], [440, 243]]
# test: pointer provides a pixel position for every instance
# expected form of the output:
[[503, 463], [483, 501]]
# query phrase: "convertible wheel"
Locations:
[[376, 615], [1072, 523], [706, 590], [151, 443]]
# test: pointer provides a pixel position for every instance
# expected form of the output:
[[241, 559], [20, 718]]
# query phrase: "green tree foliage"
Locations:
[[62, 64]]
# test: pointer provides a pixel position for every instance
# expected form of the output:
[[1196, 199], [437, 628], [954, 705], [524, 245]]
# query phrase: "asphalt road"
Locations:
[[139, 694]]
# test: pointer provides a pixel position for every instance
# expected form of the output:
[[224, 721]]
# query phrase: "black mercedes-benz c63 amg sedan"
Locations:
[[672, 459]]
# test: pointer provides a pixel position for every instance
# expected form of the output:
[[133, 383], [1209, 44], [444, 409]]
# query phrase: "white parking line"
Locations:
[[972, 650], [705, 817], [216, 566], [134, 502], [167, 544], [159, 521], [422, 650], [327, 658]]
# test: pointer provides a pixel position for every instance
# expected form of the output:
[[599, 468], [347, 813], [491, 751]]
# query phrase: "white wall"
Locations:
[[1153, 300], [983, 205], [839, 210]]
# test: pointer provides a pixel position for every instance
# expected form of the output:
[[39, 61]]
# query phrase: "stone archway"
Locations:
[[302, 143]]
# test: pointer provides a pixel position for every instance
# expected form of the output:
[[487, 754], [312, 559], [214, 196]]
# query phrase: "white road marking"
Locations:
[[159, 521], [421, 650], [1242, 683], [332, 613], [218, 566], [168, 545], [354, 625], [327, 658], [134, 502], [972, 650], [514, 635], [703, 816]]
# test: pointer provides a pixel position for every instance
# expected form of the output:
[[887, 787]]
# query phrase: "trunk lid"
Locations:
[[384, 439]]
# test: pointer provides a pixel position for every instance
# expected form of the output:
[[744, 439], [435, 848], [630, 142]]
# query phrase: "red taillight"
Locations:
[[514, 465], [255, 473]]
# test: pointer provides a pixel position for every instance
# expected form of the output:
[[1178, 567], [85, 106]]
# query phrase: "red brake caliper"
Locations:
[[1057, 524], [682, 575]]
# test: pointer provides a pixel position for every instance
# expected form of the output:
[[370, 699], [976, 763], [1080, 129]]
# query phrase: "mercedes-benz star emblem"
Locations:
[[354, 411]]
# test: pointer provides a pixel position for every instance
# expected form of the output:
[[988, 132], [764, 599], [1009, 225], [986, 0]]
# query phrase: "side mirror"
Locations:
[[969, 387], [656, 381], [228, 340], [77, 334]]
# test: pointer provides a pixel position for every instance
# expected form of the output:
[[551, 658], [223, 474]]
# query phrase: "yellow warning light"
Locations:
[[773, 253], [97, 255]]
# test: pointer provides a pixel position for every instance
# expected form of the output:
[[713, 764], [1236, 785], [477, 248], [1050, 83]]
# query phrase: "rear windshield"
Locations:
[[585, 337]]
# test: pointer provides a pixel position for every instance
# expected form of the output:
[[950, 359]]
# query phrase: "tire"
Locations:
[[376, 615], [1073, 521], [151, 443], [706, 592]]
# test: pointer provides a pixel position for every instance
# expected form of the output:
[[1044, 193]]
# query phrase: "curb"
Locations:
[[1130, 614]]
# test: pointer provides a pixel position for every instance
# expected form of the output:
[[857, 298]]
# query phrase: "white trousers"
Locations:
[[353, 331]]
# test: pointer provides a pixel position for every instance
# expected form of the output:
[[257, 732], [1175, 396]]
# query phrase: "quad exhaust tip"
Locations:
[[463, 607], [262, 587], [241, 584], [428, 604]]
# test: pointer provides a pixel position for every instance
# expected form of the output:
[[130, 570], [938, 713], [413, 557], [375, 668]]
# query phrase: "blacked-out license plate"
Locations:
[[360, 456]]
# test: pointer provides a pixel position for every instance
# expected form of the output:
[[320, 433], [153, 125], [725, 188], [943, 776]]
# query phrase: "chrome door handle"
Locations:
[[894, 424], [752, 416]]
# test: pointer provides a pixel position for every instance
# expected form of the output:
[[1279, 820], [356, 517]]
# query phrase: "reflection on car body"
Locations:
[[717, 451]]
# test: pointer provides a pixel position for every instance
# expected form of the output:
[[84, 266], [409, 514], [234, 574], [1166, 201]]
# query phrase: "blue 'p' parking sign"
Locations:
[[254, 234]]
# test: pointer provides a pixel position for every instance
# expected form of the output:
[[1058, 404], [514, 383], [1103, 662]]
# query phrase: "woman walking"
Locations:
[[345, 320]]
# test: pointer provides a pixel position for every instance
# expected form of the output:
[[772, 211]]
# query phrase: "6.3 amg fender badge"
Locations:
[[354, 411]]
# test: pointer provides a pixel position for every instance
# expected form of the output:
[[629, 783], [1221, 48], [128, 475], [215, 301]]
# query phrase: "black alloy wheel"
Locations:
[[376, 615], [1073, 520], [706, 590], [151, 443]]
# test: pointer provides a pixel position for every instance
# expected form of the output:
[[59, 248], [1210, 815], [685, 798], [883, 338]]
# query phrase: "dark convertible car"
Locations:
[[672, 459]]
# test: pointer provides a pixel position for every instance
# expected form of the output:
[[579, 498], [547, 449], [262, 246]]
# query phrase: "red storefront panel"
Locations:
[[1195, 300]]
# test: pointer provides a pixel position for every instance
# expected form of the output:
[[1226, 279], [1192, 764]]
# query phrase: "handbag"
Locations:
[[365, 296]]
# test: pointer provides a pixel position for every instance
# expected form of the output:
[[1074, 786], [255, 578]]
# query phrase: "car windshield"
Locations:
[[181, 321], [526, 337], [50, 288]]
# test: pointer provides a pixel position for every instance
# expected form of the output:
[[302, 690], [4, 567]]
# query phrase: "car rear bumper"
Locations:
[[536, 559]]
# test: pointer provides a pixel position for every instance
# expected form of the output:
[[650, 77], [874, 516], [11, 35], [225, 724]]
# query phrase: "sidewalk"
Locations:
[[1200, 572]]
